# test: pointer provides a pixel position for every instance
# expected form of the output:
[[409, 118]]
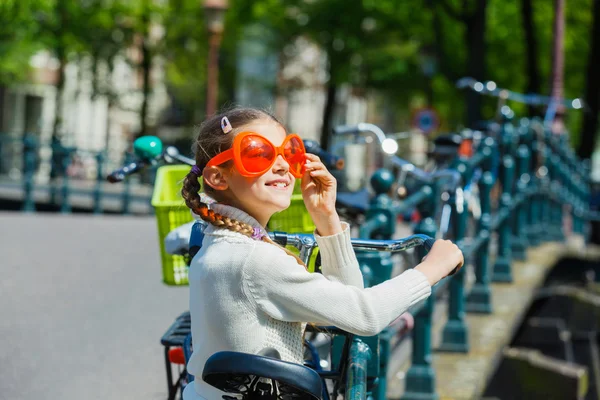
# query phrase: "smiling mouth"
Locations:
[[279, 185]]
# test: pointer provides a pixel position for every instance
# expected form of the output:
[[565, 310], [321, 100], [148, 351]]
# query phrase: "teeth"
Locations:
[[280, 184]]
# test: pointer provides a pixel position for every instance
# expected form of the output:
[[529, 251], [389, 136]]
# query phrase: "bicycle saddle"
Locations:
[[233, 372]]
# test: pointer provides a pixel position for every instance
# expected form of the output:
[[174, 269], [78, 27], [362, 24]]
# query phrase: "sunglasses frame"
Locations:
[[235, 151]]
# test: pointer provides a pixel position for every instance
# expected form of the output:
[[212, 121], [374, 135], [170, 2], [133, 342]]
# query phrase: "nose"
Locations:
[[281, 166]]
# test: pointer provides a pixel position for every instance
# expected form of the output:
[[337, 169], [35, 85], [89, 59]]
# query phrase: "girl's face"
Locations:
[[269, 193]]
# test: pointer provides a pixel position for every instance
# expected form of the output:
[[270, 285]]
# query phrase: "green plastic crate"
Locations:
[[171, 212]]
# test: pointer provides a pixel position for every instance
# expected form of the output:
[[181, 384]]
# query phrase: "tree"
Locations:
[[589, 130], [59, 25], [473, 16], [17, 43], [108, 35], [531, 50]]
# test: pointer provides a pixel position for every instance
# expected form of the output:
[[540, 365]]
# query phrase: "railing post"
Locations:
[[580, 206], [546, 184], [29, 166], [420, 378], [380, 223], [55, 167], [65, 207], [480, 297], [533, 228], [502, 267], [455, 336], [356, 374], [99, 183], [556, 209], [519, 242], [126, 195]]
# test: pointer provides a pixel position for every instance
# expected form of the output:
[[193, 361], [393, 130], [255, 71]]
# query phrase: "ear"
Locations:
[[215, 177]]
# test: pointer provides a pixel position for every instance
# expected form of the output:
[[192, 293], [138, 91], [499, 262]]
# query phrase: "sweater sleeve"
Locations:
[[338, 259], [286, 291]]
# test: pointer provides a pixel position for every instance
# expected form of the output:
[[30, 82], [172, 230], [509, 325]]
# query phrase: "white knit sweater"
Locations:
[[246, 295]]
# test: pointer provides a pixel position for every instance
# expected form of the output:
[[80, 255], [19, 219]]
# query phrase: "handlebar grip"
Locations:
[[346, 130], [120, 174], [428, 244], [331, 161]]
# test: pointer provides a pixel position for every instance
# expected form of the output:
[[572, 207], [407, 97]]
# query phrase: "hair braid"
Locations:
[[191, 187]]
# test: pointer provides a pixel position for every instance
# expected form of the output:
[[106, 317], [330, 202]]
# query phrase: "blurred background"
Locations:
[[80, 80], [93, 75]]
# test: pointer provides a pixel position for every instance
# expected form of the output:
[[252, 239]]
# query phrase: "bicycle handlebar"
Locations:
[[362, 127], [306, 243], [490, 88], [131, 168], [399, 162]]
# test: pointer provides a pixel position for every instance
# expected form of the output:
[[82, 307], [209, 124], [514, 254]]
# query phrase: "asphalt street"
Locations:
[[82, 308]]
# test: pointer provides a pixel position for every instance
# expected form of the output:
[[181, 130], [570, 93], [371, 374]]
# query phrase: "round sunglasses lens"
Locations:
[[294, 154], [256, 154]]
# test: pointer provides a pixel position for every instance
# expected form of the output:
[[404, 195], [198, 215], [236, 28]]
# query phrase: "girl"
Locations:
[[246, 292]]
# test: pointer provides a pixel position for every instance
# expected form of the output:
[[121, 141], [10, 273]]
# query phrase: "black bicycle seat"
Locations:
[[233, 372], [357, 201]]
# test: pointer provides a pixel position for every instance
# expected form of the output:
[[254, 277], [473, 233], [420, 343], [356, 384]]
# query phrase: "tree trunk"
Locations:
[[110, 102], [444, 63], [146, 67], [531, 51], [61, 53], [329, 109], [558, 62], [589, 134], [60, 86], [475, 39]]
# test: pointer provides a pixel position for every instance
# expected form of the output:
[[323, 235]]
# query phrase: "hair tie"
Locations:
[[257, 234], [196, 170]]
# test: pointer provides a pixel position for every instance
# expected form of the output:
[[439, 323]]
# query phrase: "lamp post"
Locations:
[[214, 10]]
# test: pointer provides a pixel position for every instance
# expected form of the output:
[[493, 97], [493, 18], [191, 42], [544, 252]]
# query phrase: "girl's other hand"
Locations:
[[319, 189], [443, 257]]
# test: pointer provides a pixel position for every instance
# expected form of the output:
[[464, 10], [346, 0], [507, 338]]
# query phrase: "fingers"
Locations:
[[312, 157], [313, 163], [451, 252], [317, 170]]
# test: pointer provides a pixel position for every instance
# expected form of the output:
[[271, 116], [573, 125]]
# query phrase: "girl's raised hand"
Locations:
[[319, 189]]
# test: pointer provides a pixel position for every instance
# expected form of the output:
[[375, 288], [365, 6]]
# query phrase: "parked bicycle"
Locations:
[[266, 376]]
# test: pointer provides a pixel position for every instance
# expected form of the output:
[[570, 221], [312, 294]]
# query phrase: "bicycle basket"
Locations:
[[171, 212]]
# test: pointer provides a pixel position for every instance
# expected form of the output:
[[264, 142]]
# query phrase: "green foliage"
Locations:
[[379, 45], [17, 40]]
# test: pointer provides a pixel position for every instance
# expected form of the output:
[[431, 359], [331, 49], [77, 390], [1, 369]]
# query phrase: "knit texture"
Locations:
[[246, 295]]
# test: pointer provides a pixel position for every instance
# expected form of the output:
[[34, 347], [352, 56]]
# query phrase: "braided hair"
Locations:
[[211, 141]]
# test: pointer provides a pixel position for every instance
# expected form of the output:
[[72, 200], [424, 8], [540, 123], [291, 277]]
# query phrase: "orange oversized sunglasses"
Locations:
[[253, 154]]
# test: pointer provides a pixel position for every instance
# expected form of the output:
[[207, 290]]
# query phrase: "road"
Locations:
[[82, 308]]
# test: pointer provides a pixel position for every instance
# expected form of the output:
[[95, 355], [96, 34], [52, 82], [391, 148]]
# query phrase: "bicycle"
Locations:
[[266, 377]]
